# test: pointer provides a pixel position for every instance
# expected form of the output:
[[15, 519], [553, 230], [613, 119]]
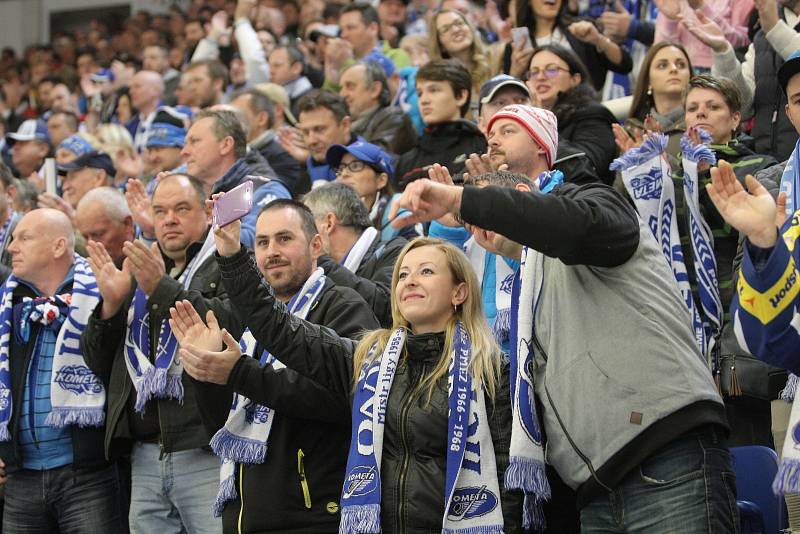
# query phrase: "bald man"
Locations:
[[146, 90], [103, 216], [56, 478]]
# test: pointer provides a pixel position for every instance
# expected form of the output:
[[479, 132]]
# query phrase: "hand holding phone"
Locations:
[[521, 34], [233, 205]]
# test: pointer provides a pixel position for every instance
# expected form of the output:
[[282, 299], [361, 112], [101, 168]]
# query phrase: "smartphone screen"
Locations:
[[233, 205], [521, 34]]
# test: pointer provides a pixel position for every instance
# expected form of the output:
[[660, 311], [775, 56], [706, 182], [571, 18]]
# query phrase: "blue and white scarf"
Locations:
[[162, 380], [472, 495], [648, 179], [244, 437], [487, 266], [526, 469], [77, 396], [787, 479], [352, 261]]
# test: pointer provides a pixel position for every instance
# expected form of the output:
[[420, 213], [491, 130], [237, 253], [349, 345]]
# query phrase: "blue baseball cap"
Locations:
[[385, 63], [93, 159], [164, 134], [76, 144], [102, 75], [789, 68], [374, 155], [30, 130]]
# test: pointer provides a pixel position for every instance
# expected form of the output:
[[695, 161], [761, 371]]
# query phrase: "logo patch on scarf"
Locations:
[[5, 397], [361, 481], [647, 186], [505, 285], [254, 412], [78, 379], [471, 502]]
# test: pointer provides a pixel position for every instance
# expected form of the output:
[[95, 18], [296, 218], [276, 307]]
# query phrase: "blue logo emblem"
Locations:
[[254, 412], [647, 186], [505, 285], [360, 481], [471, 502], [78, 379]]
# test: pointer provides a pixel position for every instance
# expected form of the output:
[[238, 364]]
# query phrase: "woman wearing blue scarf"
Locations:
[[431, 417]]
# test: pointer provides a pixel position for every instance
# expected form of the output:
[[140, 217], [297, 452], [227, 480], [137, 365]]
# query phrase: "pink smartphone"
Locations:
[[233, 205]]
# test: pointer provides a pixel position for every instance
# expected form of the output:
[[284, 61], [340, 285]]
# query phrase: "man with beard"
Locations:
[[295, 487], [206, 83]]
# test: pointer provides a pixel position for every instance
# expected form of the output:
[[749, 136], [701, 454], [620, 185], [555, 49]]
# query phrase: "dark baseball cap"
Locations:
[[490, 88], [789, 68], [93, 159]]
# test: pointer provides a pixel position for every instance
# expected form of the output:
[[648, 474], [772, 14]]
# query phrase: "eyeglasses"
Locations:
[[353, 166], [550, 71], [458, 23]]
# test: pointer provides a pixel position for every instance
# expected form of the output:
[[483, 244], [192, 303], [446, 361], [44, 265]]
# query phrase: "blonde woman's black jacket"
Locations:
[[297, 488], [415, 439]]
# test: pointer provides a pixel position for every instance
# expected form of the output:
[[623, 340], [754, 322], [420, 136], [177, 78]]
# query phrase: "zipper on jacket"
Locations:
[[301, 470], [162, 452], [241, 498], [406, 456]]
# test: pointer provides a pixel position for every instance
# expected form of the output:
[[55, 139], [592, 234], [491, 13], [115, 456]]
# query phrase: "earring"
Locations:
[[649, 91], [455, 308]]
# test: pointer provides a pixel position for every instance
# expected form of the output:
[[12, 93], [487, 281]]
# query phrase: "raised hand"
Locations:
[[616, 23], [291, 140], [752, 212], [48, 200], [146, 264], [244, 9], [767, 14], [427, 201], [114, 284], [189, 328], [139, 204], [520, 59], [623, 139], [586, 32], [441, 175], [669, 8], [707, 32]]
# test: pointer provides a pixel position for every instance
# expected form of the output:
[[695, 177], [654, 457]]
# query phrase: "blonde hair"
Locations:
[[479, 68], [485, 365], [113, 137]]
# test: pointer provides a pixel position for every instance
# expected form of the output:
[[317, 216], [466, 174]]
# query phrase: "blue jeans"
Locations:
[[173, 494], [687, 487], [63, 500]]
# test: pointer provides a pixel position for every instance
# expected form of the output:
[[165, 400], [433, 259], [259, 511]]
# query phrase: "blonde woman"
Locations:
[[411, 467], [453, 36], [116, 141]]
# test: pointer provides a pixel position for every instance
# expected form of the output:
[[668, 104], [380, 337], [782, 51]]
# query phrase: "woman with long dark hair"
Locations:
[[549, 23], [560, 82]]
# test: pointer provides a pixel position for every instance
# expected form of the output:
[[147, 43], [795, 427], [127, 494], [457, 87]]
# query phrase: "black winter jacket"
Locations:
[[449, 144], [178, 425], [87, 443], [586, 123], [373, 278], [415, 442], [297, 488]]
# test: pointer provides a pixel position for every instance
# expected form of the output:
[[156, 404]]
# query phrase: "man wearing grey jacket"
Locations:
[[632, 419]]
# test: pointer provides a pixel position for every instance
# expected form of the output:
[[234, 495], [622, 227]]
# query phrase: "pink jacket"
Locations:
[[721, 12]]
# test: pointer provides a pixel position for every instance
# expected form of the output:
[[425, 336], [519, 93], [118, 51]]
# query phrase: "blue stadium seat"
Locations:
[[755, 468]]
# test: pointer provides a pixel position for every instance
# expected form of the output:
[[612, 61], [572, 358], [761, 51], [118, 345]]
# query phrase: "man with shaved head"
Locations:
[[52, 406], [146, 90], [103, 216]]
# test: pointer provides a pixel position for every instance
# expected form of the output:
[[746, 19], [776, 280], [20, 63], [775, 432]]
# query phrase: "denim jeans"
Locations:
[[63, 500], [173, 494], [687, 487]]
